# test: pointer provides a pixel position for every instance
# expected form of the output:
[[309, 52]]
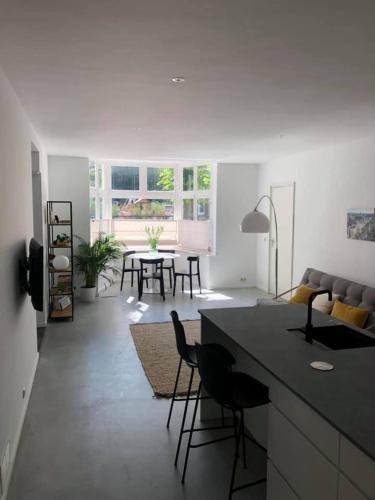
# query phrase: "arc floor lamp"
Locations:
[[258, 222]]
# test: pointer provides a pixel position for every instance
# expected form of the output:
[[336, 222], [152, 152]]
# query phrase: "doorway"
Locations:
[[282, 196]]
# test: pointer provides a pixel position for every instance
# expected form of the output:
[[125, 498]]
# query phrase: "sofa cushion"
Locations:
[[350, 314], [323, 304], [302, 295]]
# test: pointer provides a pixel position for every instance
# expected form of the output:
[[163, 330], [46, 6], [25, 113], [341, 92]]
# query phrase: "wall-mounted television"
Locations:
[[32, 274]]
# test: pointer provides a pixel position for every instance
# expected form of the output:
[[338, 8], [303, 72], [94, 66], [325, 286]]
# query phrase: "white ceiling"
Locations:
[[263, 77]]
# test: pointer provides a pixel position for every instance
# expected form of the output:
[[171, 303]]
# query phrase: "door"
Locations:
[[283, 199]]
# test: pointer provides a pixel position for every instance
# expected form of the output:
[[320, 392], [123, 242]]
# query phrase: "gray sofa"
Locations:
[[350, 292]]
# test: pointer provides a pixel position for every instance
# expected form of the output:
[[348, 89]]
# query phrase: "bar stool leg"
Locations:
[[191, 432], [174, 392], [243, 443], [238, 439], [184, 417]]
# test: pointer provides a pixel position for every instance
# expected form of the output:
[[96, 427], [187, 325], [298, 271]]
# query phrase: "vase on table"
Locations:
[[153, 248], [153, 236]]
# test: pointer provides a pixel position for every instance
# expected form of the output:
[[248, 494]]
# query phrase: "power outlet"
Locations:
[[243, 278], [4, 468]]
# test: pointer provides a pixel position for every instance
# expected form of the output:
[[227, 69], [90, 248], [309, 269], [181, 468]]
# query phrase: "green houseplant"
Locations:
[[97, 259], [153, 236]]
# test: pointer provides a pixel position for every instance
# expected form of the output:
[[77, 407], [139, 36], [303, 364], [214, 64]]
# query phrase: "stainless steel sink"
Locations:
[[337, 337]]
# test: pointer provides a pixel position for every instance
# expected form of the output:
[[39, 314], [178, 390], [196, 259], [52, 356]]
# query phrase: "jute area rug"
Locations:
[[156, 347]]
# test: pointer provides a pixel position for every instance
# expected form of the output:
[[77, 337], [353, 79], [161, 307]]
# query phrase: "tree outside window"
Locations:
[[204, 177], [160, 179]]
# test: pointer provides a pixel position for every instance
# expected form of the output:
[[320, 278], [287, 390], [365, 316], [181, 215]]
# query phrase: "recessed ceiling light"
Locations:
[[178, 79]]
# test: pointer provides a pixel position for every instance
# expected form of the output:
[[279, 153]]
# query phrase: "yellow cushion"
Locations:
[[302, 295], [353, 315]]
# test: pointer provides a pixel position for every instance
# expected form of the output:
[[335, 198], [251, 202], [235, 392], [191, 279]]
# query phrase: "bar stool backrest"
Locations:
[[214, 371], [180, 337]]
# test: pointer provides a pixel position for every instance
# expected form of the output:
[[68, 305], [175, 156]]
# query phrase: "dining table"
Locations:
[[152, 256]]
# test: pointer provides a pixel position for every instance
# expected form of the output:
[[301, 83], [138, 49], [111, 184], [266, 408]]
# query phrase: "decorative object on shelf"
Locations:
[[97, 259], [258, 222], [64, 302], [60, 272], [153, 237], [61, 262], [361, 224], [62, 240]]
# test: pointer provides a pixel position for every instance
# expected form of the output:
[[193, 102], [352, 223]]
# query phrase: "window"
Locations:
[[125, 197], [142, 208], [160, 179], [203, 178], [92, 208], [188, 179], [203, 209], [99, 176], [92, 172], [188, 209], [125, 178]]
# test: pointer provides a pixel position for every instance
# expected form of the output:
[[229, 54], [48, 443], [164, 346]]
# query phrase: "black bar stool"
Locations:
[[235, 391], [188, 354], [132, 269], [157, 275], [169, 267], [189, 275]]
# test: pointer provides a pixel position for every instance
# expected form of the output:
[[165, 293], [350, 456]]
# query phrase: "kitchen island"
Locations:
[[319, 428]]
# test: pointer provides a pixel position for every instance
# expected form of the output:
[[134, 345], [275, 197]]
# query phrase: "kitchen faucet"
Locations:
[[309, 325]]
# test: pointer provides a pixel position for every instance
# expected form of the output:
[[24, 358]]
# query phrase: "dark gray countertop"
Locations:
[[345, 396]]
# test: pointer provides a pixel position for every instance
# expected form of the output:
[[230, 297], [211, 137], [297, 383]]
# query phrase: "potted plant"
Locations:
[[97, 259], [153, 236]]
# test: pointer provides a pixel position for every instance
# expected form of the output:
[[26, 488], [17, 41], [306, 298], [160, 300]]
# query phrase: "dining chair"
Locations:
[[157, 275], [132, 269], [189, 274], [169, 267]]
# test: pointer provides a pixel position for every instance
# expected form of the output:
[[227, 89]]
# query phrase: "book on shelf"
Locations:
[[63, 303]]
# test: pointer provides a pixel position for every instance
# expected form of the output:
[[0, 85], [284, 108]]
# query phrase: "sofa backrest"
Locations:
[[351, 293]]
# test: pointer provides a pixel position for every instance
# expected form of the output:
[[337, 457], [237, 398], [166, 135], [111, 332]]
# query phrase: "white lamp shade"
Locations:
[[60, 262], [255, 222]]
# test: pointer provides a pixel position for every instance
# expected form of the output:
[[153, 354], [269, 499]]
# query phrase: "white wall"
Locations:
[[18, 340], [68, 180], [328, 182], [235, 252]]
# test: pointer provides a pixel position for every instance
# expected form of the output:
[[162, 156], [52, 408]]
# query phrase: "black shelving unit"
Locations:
[[60, 282]]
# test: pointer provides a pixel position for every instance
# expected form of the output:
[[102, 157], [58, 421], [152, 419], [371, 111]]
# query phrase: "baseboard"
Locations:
[[19, 430]]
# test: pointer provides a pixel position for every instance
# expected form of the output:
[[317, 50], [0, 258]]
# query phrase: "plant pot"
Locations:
[[88, 293]]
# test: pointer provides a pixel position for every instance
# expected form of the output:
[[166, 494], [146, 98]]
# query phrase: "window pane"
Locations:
[[100, 176], [203, 209], [160, 179], [204, 177], [92, 207], [100, 207], [188, 179], [188, 209], [92, 174], [126, 178], [142, 208]]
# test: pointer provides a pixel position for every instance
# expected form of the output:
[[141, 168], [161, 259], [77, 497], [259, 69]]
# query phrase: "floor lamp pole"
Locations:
[[276, 238]]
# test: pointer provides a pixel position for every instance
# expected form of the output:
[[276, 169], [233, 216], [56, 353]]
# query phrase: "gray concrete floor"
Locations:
[[93, 429]]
